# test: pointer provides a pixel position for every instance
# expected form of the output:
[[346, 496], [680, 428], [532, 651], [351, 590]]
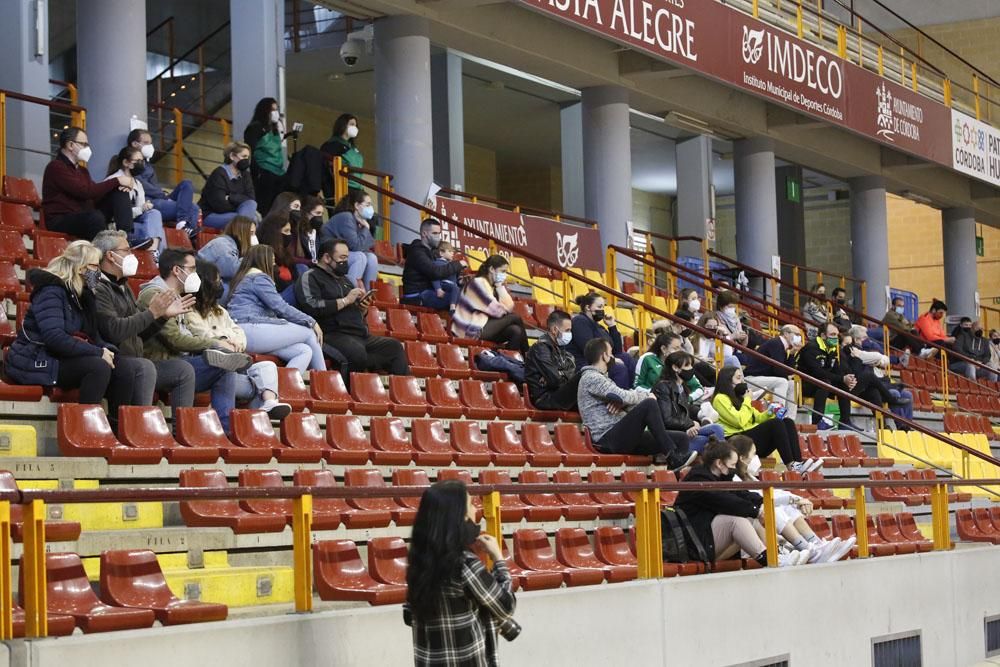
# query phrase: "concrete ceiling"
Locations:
[[918, 12]]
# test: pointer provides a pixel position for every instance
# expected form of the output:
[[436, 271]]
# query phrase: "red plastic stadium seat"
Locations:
[[349, 444], [541, 506], [385, 252], [506, 444], [22, 189], [422, 359], [409, 477], [55, 531], [144, 426], [824, 498], [844, 528], [579, 506], [292, 389], [10, 284], [12, 246], [406, 396], [573, 549], [83, 430], [469, 444], [509, 401], [252, 430], [512, 508], [612, 503], [250, 478], [301, 431], [908, 529], [478, 403], [386, 295], [16, 392], [147, 264], [400, 324], [888, 530], [819, 448], [200, 427], [177, 238], [387, 560], [340, 575], [442, 398], [366, 477], [611, 548], [375, 321], [838, 447], [48, 246], [969, 530], [662, 476], [430, 443], [891, 494], [225, 513], [390, 441], [532, 551], [525, 310], [431, 328], [133, 579], [69, 592], [633, 477], [930, 475], [453, 364], [60, 625], [920, 495], [329, 393], [351, 516], [369, 394], [17, 218], [538, 443]]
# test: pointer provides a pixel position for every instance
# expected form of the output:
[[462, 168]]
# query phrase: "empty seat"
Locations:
[[838, 447], [532, 551], [665, 477], [430, 443], [443, 400], [453, 364], [200, 428], [387, 560], [351, 517], [390, 441], [59, 625], [386, 295], [579, 506], [329, 393], [369, 394], [573, 549], [12, 246], [406, 396], [369, 478], [409, 477], [422, 359], [478, 403], [969, 530], [569, 440], [845, 528], [506, 444], [340, 575], [431, 328], [613, 504], [611, 548], [252, 429], [301, 431], [10, 284], [818, 448], [527, 313], [133, 579], [225, 513], [292, 389], [145, 426], [69, 592], [349, 444], [22, 189], [509, 401], [376, 323], [538, 443], [824, 498], [48, 246], [542, 506], [83, 430], [17, 218], [512, 508], [400, 324], [470, 445], [177, 238]]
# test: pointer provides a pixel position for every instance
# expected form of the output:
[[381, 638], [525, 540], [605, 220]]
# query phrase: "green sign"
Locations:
[[980, 247], [793, 190]]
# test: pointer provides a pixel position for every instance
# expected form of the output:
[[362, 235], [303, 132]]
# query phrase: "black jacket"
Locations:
[[674, 405], [317, 291], [307, 168], [971, 346], [419, 268], [585, 329], [223, 194], [703, 506], [773, 348], [547, 367], [820, 364], [119, 318]]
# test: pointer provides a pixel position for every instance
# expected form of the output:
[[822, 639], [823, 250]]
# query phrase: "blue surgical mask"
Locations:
[[367, 212], [565, 337], [900, 309], [500, 277]]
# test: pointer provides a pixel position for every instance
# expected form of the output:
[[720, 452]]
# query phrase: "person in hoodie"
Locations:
[[969, 342], [549, 369], [625, 421], [60, 344], [419, 267], [178, 205]]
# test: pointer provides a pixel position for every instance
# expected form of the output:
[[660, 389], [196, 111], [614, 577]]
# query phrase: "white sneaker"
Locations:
[[815, 465], [799, 466], [788, 560], [904, 361], [230, 361], [843, 550], [275, 409], [828, 549], [926, 352]]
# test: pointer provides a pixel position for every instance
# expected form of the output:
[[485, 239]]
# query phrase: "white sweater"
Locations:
[[137, 194]]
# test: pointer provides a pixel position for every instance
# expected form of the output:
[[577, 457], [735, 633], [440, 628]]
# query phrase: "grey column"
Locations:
[[257, 27], [694, 191], [870, 239], [756, 207], [403, 113], [448, 120], [25, 57], [111, 66], [571, 144], [961, 280], [607, 161]]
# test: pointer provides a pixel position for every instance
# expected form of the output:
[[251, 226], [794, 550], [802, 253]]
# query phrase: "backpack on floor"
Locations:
[[680, 542], [487, 360]]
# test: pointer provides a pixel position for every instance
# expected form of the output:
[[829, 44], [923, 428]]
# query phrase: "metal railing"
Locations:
[[177, 135], [78, 113]]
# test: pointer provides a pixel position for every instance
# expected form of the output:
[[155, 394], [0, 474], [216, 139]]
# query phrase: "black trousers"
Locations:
[[83, 225], [508, 331], [266, 186], [97, 380], [117, 208], [641, 431], [820, 396], [776, 435], [375, 353], [561, 398]]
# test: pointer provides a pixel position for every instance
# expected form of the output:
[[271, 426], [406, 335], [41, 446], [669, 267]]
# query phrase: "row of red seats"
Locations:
[[918, 494], [820, 498], [961, 384], [838, 450], [955, 422], [133, 594], [888, 534], [979, 403], [979, 525]]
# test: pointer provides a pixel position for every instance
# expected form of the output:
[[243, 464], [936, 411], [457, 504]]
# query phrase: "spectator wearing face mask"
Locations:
[[650, 364], [704, 349], [550, 369], [276, 232], [969, 342], [227, 248], [352, 221], [994, 362], [485, 308], [146, 222], [899, 329], [178, 205], [820, 358], [930, 325], [307, 235], [672, 395], [229, 190], [446, 290], [420, 269], [689, 305], [730, 326], [342, 144], [593, 321], [265, 135], [762, 376], [900, 400], [840, 316], [814, 311]]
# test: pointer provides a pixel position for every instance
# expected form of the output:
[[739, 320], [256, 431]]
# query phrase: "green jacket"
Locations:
[[648, 372], [175, 338]]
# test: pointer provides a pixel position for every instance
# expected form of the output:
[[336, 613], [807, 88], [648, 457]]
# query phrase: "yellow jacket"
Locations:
[[738, 420]]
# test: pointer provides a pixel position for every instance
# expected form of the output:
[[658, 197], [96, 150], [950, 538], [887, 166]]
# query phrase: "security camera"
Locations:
[[351, 51]]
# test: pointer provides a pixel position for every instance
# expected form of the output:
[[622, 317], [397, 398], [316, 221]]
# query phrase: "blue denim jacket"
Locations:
[[256, 301], [224, 252]]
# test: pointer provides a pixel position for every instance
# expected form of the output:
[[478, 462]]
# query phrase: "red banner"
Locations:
[[564, 244]]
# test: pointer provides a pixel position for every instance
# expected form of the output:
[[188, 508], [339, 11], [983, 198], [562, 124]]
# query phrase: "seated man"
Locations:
[[420, 269], [840, 316], [869, 353], [618, 418], [215, 362], [123, 324], [72, 202], [326, 293], [930, 326], [178, 206], [820, 359], [550, 369], [969, 342], [761, 375]]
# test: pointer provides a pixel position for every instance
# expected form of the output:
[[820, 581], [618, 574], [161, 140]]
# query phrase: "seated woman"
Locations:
[[768, 432], [724, 520], [590, 323], [226, 249], [228, 192], [704, 348], [689, 305], [814, 311], [305, 247], [276, 231], [352, 221], [484, 309], [679, 414], [259, 383], [790, 511], [650, 364], [270, 324], [146, 221], [59, 343]]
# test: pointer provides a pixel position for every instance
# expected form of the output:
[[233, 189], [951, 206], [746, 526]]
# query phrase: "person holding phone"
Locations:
[[339, 307], [593, 321]]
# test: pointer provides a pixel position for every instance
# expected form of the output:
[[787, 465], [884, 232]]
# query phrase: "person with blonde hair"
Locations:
[[229, 192], [763, 376], [59, 344]]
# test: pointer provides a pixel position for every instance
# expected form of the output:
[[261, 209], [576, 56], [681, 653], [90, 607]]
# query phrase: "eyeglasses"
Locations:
[[82, 143]]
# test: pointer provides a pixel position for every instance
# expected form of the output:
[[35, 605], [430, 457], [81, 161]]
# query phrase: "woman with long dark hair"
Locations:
[[264, 134], [146, 222], [342, 144], [354, 221], [485, 308], [593, 321], [768, 431], [679, 414], [455, 605]]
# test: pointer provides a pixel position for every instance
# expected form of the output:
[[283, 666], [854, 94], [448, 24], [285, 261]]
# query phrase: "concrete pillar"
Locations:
[[258, 62], [448, 120], [25, 54], [756, 207], [111, 66], [607, 162], [571, 144], [403, 113], [870, 240], [958, 231], [694, 191]]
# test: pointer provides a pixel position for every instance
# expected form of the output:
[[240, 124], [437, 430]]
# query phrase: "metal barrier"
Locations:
[[177, 136], [340, 188], [6, 96]]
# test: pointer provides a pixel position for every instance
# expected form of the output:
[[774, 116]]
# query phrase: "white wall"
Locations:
[[821, 616]]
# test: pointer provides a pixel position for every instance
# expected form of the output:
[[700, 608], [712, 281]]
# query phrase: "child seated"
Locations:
[[446, 289]]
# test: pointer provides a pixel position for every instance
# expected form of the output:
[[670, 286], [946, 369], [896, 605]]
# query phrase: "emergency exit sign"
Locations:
[[980, 247], [793, 190]]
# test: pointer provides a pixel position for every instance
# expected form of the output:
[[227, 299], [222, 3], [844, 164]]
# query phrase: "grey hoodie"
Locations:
[[591, 398]]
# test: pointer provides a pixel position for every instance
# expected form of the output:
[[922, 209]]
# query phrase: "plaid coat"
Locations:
[[463, 630]]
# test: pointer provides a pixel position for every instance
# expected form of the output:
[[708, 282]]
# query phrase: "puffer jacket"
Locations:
[[701, 507], [224, 252], [55, 327], [256, 301], [119, 318]]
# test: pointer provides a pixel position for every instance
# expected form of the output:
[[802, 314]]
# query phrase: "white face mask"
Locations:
[[367, 212], [352, 131], [147, 151], [275, 115], [730, 310], [129, 264], [796, 340], [754, 466], [253, 240], [564, 338], [192, 283], [694, 305], [85, 154]]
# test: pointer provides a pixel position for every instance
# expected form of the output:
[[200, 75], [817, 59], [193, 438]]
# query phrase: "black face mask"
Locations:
[[316, 222], [243, 164], [598, 315], [294, 216], [138, 168], [995, 341], [979, 334], [686, 333], [340, 268], [470, 531], [840, 300], [741, 389], [288, 239], [686, 374], [726, 477]]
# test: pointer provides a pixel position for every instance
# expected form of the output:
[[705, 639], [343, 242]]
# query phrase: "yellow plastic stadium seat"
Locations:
[[18, 440], [541, 291], [475, 257], [599, 277], [577, 287], [519, 272], [626, 318], [899, 440], [558, 286]]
